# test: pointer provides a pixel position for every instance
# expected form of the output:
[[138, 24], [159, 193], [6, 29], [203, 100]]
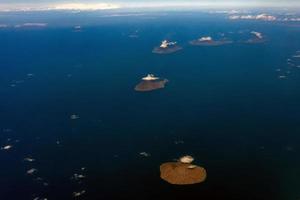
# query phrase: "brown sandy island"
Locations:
[[178, 173], [146, 86]]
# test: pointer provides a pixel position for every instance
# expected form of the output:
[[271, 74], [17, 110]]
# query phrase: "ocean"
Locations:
[[234, 108]]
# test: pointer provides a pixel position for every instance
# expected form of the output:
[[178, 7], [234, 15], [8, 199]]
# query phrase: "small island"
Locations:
[[150, 83], [257, 38], [182, 172], [167, 48], [77, 28], [208, 41]]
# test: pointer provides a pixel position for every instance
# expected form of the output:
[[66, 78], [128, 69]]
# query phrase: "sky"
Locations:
[[12, 5]]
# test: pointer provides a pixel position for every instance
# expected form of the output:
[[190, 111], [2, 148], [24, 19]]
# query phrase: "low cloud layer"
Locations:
[[31, 24], [24, 25], [61, 6], [3, 25], [121, 4], [263, 17]]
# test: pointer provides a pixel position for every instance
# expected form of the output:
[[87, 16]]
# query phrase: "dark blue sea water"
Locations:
[[225, 106]]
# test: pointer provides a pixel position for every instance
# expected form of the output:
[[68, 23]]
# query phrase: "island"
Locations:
[[208, 41], [77, 28], [182, 172], [150, 83], [167, 47], [257, 38]]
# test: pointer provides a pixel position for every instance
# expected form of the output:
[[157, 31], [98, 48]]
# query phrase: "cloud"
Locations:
[[292, 19], [89, 6], [263, 17], [205, 39], [31, 24], [44, 5], [3, 25], [125, 15], [57, 6], [230, 12]]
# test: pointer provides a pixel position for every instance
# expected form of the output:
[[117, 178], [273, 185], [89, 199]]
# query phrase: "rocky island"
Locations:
[[167, 48], [150, 83], [208, 41]]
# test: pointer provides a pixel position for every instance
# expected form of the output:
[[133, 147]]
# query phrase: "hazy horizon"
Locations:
[[29, 5]]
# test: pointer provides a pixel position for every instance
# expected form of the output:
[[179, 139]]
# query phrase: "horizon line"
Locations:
[[13, 7]]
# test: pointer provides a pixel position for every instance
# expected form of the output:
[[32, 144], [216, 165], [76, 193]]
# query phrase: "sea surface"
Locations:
[[226, 106]]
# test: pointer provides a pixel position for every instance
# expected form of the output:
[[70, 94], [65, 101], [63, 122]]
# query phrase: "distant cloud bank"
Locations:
[[80, 6], [31, 25], [3, 25], [263, 17], [140, 4], [24, 25], [61, 6]]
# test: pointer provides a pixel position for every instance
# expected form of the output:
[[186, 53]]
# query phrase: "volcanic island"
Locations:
[[167, 47], [150, 83]]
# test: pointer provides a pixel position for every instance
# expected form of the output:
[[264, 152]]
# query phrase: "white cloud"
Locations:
[[292, 19], [58, 6], [247, 17], [205, 39], [81, 6], [263, 17], [3, 25], [234, 17], [230, 12], [231, 5], [125, 15], [31, 24]]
